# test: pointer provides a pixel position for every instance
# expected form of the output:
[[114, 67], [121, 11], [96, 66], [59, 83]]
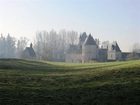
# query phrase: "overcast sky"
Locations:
[[105, 19]]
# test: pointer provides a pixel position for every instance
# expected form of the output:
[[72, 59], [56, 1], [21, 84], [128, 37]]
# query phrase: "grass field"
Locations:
[[24, 82]]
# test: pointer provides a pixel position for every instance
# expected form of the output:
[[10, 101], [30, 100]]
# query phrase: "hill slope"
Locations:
[[24, 82]]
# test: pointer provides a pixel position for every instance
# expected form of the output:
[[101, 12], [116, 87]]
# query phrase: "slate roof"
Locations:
[[30, 51], [90, 41], [115, 47], [83, 37]]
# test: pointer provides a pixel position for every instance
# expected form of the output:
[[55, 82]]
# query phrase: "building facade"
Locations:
[[29, 53], [88, 50]]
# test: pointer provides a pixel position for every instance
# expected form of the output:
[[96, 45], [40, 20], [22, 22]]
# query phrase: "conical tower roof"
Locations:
[[83, 36], [116, 46], [90, 41]]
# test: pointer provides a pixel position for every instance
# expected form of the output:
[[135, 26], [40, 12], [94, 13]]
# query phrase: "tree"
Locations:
[[72, 37], [2, 46], [41, 45], [10, 46], [7, 46], [21, 45], [136, 48], [52, 45]]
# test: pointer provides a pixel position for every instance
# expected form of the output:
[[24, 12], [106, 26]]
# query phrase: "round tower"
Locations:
[[89, 49]]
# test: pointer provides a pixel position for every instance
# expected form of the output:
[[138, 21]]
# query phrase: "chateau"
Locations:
[[88, 50]]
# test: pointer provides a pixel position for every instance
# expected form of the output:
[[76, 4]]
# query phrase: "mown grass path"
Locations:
[[24, 82]]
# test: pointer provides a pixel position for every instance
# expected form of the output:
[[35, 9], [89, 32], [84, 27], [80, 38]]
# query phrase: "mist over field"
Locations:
[[113, 20], [69, 52]]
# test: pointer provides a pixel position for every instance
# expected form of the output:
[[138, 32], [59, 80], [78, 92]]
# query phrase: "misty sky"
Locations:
[[106, 19]]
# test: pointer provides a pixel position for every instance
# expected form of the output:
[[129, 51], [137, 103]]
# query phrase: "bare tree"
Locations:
[[2, 46], [21, 45], [72, 37], [52, 45], [41, 45], [7, 46], [136, 48]]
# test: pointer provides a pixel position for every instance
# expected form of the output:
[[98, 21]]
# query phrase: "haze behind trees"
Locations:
[[47, 45], [50, 45], [106, 19]]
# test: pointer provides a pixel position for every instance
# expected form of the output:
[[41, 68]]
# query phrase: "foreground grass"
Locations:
[[25, 82]]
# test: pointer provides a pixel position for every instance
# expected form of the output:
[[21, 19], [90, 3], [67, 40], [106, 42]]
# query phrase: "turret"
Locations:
[[82, 38], [89, 49], [114, 52]]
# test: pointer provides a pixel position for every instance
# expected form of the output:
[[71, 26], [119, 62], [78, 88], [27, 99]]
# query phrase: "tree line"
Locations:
[[52, 45], [48, 45], [10, 47]]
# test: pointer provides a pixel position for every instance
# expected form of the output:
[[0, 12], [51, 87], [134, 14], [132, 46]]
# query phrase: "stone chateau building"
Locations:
[[88, 50]]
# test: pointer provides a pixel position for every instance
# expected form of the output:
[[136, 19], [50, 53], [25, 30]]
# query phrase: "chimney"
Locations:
[[31, 45]]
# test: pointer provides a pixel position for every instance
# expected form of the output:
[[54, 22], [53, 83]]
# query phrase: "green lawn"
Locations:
[[24, 82]]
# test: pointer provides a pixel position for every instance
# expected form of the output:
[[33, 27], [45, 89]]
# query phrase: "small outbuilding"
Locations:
[[29, 52]]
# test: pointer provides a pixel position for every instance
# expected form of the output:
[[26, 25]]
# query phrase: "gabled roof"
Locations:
[[116, 47], [30, 51], [90, 41]]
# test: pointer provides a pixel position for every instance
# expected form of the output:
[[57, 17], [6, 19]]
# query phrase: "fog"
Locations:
[[50, 45], [47, 45]]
